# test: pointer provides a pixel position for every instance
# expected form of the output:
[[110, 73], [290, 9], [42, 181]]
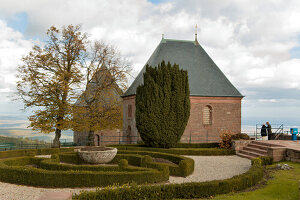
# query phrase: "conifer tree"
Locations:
[[163, 105]]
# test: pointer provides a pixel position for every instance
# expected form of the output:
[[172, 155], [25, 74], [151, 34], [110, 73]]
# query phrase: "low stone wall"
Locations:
[[282, 153], [293, 155], [238, 145], [278, 153], [287, 137]]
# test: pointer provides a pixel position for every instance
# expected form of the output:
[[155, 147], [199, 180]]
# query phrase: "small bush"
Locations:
[[240, 136], [133, 159], [146, 159], [123, 163], [256, 161], [266, 160], [226, 138]]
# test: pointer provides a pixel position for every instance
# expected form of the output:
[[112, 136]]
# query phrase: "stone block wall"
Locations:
[[103, 137], [226, 115], [278, 153], [293, 155], [238, 145]]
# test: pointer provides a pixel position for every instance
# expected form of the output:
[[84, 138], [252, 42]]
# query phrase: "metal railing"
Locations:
[[21, 145], [106, 140], [276, 129]]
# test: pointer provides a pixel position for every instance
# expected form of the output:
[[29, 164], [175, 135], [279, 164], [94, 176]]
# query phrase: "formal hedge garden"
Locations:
[[133, 167], [179, 191], [66, 169]]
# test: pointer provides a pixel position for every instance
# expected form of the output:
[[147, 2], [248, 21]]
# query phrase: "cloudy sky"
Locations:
[[255, 43]]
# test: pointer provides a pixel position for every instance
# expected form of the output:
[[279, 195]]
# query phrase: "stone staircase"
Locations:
[[254, 150]]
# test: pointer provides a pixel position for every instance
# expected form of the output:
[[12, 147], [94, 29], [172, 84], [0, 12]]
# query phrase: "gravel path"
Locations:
[[206, 168]]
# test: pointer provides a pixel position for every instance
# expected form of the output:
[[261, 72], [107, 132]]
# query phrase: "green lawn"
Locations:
[[284, 185]]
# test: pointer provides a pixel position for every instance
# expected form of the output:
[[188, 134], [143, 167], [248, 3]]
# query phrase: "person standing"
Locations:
[[263, 132], [269, 131]]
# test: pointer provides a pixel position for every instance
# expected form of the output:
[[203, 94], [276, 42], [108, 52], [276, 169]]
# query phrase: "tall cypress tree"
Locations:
[[163, 105]]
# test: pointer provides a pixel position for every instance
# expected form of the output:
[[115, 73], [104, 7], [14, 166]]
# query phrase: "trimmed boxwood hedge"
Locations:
[[181, 191], [52, 164], [69, 157], [182, 166], [178, 145], [181, 151], [13, 170], [197, 145], [32, 152]]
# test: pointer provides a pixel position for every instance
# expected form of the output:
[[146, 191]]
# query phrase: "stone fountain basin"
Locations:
[[97, 155]]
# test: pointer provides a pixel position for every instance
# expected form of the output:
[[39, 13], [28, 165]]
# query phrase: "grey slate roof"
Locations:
[[205, 78]]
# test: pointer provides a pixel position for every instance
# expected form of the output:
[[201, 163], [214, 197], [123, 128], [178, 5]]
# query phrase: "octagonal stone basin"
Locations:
[[97, 155]]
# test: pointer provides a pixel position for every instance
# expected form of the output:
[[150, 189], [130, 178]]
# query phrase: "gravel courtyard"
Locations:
[[207, 168]]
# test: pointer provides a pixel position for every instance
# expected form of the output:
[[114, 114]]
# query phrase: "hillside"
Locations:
[[5, 139]]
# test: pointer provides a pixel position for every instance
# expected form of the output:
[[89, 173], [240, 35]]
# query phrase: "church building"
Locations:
[[215, 102]]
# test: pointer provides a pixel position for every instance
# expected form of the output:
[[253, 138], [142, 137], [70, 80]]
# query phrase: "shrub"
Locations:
[[133, 159], [123, 163], [266, 160], [162, 105], [146, 159], [226, 138], [240, 136]]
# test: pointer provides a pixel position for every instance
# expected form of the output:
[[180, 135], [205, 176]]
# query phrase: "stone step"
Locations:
[[258, 146], [266, 143], [251, 153], [261, 143], [255, 149], [245, 155]]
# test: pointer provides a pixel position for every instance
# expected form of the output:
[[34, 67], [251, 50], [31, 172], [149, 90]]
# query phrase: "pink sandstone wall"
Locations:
[[103, 137], [226, 115]]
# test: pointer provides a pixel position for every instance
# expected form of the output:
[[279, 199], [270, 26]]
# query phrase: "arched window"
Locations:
[[207, 115], [129, 111]]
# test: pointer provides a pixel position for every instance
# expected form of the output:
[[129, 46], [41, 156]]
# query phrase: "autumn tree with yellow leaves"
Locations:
[[56, 74]]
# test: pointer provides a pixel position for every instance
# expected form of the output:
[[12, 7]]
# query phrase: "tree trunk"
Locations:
[[56, 142], [91, 138]]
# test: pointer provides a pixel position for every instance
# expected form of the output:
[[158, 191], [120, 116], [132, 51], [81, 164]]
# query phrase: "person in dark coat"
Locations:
[[269, 131], [263, 132]]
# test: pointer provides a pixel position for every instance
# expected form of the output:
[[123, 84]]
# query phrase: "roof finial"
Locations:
[[196, 32], [196, 40]]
